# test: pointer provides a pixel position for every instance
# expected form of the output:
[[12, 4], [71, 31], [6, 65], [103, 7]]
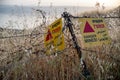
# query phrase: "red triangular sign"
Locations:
[[88, 28], [49, 36]]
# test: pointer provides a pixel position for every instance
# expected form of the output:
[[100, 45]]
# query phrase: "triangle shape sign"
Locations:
[[88, 28], [49, 36]]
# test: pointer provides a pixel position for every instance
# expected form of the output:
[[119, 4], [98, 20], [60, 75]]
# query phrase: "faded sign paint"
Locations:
[[54, 39], [94, 32]]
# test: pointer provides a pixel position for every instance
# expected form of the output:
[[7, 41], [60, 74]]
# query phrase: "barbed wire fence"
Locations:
[[41, 33], [41, 43]]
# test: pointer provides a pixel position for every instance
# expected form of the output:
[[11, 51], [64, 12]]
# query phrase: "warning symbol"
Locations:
[[94, 32], [54, 39], [49, 36], [88, 28]]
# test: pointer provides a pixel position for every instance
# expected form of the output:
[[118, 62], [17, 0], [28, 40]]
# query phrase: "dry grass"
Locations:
[[24, 59]]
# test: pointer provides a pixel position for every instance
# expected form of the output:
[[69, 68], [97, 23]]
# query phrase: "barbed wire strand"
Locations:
[[2, 50], [25, 35], [95, 17]]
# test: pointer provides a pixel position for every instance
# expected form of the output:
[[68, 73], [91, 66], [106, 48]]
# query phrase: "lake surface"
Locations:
[[27, 16]]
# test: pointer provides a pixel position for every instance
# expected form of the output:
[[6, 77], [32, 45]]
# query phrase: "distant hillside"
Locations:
[[6, 32], [103, 13]]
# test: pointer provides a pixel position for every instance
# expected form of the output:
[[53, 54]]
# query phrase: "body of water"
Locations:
[[28, 17]]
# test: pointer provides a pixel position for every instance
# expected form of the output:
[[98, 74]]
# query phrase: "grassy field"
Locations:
[[23, 58]]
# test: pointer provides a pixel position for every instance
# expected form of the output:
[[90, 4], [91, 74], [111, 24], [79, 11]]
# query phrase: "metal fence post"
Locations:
[[69, 24]]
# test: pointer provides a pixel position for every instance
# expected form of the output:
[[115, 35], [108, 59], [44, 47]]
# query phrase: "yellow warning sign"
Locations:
[[94, 32], [54, 39]]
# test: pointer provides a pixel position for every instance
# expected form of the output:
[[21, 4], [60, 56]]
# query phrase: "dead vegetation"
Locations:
[[23, 58]]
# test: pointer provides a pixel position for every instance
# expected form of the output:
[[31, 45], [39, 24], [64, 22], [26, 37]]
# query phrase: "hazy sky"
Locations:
[[61, 2]]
